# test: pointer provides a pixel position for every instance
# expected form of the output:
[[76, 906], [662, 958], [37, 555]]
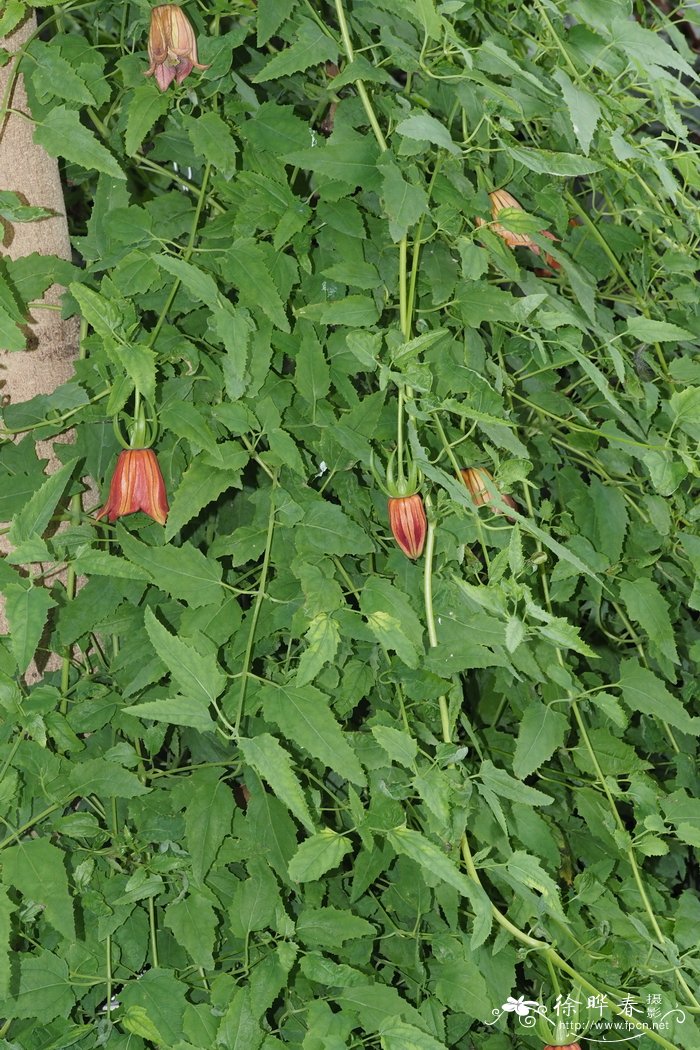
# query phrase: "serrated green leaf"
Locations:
[[392, 620], [461, 986], [429, 856], [398, 745], [98, 776], [331, 926], [162, 998], [239, 1029], [34, 517], [584, 109], [547, 162], [651, 331], [247, 268], [55, 76], [207, 820], [200, 484], [352, 163], [100, 563], [322, 640], [271, 762], [643, 691], [403, 202], [103, 315], [212, 141], [184, 572], [398, 1035], [304, 715], [199, 676], [270, 16], [146, 106], [11, 336], [254, 901], [200, 285], [317, 855], [26, 610], [45, 988], [503, 784], [37, 869], [176, 711], [355, 311], [646, 606], [527, 869], [311, 47], [193, 924], [62, 135], [12, 208], [542, 731], [423, 126]]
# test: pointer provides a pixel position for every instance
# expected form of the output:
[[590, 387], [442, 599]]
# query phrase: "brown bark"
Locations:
[[29, 171]]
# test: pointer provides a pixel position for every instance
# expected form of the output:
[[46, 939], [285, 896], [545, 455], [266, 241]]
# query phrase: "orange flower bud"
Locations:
[[475, 480], [172, 48], [137, 484], [408, 523], [501, 199], [569, 1046]]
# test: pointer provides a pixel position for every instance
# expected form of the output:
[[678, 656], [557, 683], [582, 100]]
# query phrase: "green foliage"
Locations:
[[288, 788]]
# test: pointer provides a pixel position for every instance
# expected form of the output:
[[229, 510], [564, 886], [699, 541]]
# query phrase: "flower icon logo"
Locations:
[[521, 1006]]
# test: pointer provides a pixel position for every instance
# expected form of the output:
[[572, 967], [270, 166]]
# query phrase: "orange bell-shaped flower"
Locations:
[[408, 523], [475, 478], [172, 47], [137, 484]]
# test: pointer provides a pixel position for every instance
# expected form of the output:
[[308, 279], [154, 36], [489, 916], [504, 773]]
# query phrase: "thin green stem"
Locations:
[[399, 434], [186, 255], [404, 319], [256, 609], [430, 621], [176, 176], [152, 929], [63, 418], [108, 964], [28, 825], [428, 585], [359, 84]]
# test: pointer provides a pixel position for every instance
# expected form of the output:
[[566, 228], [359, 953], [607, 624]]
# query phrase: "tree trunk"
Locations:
[[28, 170]]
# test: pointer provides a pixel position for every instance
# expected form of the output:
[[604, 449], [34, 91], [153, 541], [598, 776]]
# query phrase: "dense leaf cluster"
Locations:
[[290, 788]]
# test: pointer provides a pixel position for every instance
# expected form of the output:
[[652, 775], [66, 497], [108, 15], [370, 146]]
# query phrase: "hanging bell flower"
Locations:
[[476, 479], [137, 484], [569, 1046], [408, 523], [172, 47], [407, 518]]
